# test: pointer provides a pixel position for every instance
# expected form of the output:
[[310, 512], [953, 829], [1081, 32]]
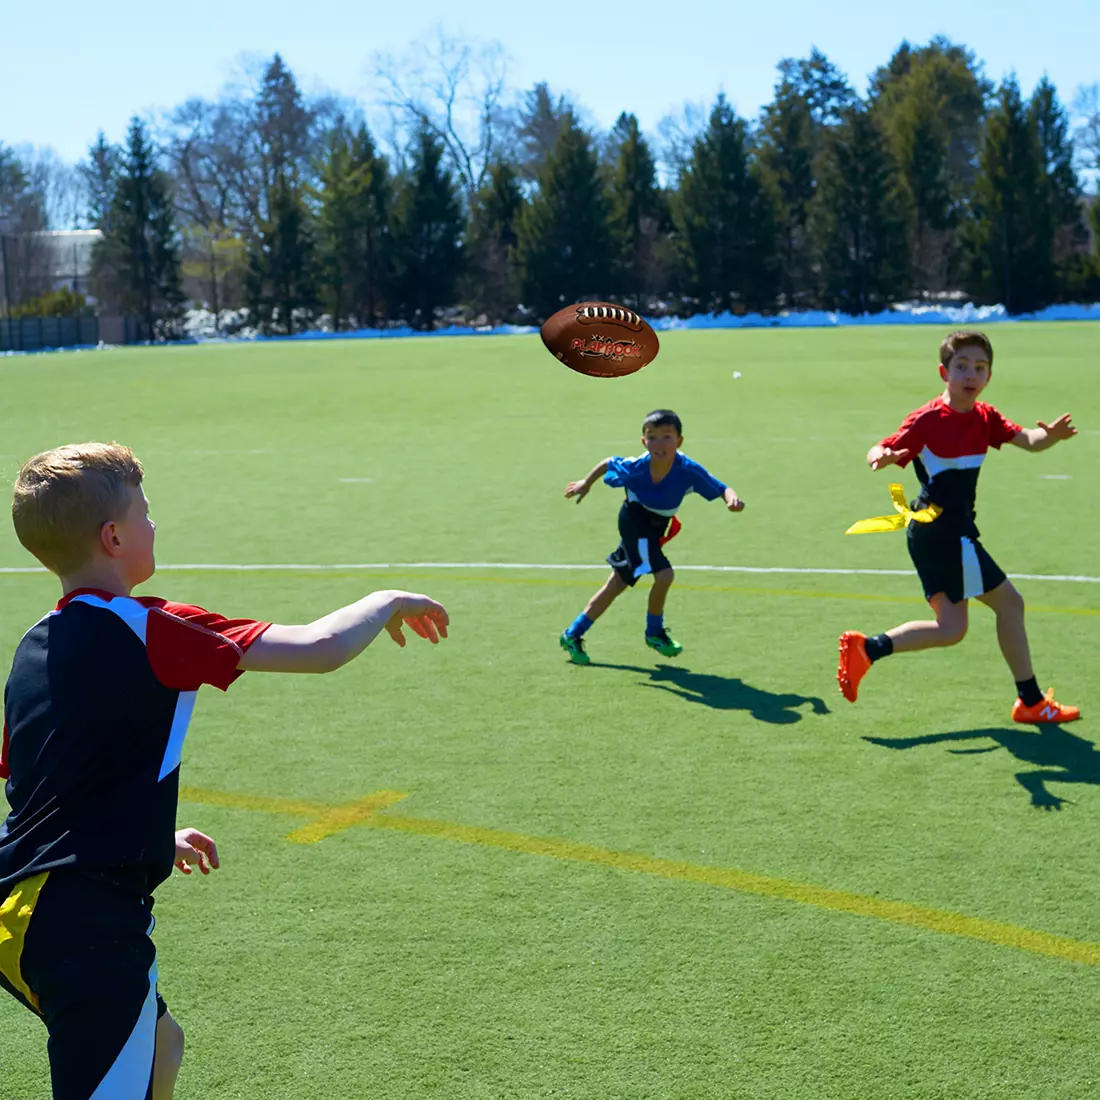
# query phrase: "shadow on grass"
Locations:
[[1062, 757], [725, 692]]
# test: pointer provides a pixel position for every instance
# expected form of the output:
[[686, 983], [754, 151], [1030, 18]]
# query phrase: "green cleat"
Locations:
[[664, 643], [574, 647]]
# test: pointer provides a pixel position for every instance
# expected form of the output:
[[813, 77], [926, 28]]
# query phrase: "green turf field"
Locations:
[[671, 880]]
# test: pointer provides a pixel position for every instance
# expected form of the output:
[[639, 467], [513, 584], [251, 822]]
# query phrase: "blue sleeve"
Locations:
[[705, 483], [619, 471]]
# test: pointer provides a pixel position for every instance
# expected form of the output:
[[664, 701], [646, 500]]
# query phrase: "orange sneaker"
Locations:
[[1047, 710], [854, 663]]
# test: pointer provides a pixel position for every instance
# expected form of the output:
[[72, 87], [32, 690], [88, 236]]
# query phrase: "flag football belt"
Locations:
[[896, 522]]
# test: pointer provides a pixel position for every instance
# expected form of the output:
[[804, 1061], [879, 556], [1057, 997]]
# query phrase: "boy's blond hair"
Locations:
[[963, 338], [64, 496]]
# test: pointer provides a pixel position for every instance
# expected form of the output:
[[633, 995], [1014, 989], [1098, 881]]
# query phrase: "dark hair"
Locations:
[[659, 418], [965, 338]]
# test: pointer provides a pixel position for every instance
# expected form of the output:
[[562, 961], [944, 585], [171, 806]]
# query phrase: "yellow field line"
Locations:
[[366, 811]]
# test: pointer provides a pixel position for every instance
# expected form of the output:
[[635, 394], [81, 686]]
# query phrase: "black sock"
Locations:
[[1029, 692], [879, 645]]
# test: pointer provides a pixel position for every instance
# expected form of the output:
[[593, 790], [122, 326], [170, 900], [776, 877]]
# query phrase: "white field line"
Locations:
[[288, 567]]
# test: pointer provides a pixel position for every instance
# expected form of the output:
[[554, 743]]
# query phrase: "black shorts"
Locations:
[[639, 551], [83, 961], [956, 565]]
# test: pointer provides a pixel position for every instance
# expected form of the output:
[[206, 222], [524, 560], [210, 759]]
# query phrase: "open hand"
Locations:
[[578, 489], [888, 457], [1060, 428], [195, 848], [423, 615]]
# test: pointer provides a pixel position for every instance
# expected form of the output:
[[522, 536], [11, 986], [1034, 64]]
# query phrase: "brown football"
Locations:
[[600, 339]]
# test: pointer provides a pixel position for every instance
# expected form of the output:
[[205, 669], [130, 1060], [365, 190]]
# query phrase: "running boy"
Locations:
[[947, 441], [95, 713], [655, 484]]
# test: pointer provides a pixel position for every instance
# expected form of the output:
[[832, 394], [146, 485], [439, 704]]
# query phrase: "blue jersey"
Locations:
[[664, 497]]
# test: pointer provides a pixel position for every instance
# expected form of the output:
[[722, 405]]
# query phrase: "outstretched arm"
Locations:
[[328, 643], [579, 489], [878, 457], [1045, 435]]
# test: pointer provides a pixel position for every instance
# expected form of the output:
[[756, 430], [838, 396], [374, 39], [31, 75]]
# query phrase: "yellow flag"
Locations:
[[896, 522]]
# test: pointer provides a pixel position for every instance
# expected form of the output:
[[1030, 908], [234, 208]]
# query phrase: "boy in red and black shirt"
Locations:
[[96, 709], [947, 441]]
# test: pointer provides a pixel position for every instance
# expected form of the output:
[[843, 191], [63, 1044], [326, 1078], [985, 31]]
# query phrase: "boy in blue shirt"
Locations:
[[655, 484]]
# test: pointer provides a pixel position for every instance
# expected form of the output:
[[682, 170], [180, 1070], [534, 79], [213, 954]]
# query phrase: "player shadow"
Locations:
[[725, 692], [1062, 757]]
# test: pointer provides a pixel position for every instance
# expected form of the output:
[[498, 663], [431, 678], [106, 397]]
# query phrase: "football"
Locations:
[[600, 339]]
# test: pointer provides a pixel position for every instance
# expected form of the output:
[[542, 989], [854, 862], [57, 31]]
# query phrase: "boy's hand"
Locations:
[[733, 502], [887, 457], [578, 489], [1059, 429], [193, 847], [424, 617]]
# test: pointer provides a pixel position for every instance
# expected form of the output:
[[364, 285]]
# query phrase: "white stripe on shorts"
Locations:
[[643, 553], [128, 1078], [972, 570]]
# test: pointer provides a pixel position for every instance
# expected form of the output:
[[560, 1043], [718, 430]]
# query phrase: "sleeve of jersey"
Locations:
[[190, 646], [618, 471], [5, 748], [705, 483], [1001, 429], [909, 437]]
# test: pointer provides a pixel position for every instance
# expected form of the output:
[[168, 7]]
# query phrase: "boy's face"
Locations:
[[133, 538], [967, 374], [661, 440]]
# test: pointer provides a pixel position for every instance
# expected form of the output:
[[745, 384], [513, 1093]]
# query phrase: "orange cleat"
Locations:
[[854, 663], [1045, 711]]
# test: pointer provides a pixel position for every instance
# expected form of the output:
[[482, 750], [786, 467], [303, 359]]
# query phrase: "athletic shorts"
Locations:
[[956, 565], [640, 550], [76, 950]]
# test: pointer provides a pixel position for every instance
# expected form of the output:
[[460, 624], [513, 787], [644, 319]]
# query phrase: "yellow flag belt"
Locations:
[[897, 522]]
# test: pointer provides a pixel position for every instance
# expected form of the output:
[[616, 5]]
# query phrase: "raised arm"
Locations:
[[1045, 435], [328, 643], [579, 489]]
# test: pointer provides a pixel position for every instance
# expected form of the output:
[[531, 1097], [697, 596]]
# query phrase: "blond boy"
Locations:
[[96, 709]]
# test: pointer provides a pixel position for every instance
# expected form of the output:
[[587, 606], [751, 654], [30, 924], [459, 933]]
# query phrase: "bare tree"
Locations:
[[453, 90], [1086, 112], [677, 136]]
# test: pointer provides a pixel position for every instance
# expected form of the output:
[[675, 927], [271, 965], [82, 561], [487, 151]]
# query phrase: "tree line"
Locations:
[[936, 183]]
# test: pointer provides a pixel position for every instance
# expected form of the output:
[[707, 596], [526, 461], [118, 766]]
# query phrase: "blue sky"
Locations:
[[70, 69]]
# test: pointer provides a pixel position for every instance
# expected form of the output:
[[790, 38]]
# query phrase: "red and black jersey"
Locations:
[[948, 449], [96, 709]]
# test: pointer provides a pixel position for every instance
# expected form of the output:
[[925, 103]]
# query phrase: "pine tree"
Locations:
[[137, 258], [1010, 237], [99, 173], [428, 225], [492, 286], [787, 150], [859, 218], [565, 248], [353, 226], [540, 119], [726, 218], [281, 281], [638, 210], [930, 102], [1051, 123]]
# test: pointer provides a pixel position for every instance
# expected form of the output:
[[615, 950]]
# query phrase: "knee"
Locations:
[[1012, 605], [952, 631], [665, 577]]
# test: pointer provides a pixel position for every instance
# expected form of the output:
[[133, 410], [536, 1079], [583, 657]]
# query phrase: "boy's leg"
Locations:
[[612, 588], [91, 965], [656, 636], [1031, 705], [169, 1056], [858, 652]]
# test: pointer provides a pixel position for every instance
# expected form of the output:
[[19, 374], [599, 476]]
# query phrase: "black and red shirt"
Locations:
[[96, 710], [948, 448]]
